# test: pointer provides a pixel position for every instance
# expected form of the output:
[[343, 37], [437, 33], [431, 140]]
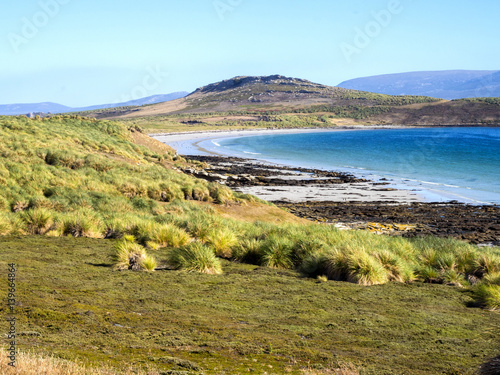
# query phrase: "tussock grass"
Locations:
[[364, 269], [277, 252], [222, 241], [5, 224], [38, 220], [488, 295], [132, 256], [168, 235], [73, 176], [248, 251], [82, 223], [396, 268], [195, 257], [105, 317]]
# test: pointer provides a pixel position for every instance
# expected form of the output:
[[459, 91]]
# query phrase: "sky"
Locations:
[[87, 52]]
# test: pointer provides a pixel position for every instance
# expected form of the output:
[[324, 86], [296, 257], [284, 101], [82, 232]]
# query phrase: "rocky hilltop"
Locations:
[[247, 98]]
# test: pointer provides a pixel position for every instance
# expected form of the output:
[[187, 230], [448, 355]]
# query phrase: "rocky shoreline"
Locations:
[[350, 202]]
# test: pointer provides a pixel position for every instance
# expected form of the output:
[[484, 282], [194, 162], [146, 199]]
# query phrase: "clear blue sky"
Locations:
[[84, 52]]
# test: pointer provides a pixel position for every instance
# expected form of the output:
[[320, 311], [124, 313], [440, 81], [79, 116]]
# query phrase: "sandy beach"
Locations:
[[340, 198], [189, 144]]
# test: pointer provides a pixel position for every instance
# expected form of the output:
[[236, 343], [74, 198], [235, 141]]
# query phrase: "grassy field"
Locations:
[[232, 283], [74, 305]]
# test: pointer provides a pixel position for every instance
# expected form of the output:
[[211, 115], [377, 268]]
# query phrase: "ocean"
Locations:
[[442, 164]]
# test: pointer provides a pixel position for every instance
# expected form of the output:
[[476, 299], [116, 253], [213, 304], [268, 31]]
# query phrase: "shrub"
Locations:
[[195, 257], [38, 220]]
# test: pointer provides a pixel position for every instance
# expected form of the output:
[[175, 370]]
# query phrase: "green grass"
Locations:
[[70, 177], [195, 257], [249, 317]]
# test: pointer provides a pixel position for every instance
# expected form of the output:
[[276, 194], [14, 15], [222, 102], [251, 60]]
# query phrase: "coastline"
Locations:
[[205, 144], [354, 203], [187, 143]]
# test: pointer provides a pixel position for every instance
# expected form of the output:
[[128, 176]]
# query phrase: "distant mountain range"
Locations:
[[23, 109], [448, 84]]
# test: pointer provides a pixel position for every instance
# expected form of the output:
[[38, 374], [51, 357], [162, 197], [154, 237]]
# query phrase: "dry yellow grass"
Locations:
[[34, 364], [252, 212], [342, 370]]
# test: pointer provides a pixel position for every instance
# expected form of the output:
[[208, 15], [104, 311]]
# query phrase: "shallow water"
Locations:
[[446, 163]]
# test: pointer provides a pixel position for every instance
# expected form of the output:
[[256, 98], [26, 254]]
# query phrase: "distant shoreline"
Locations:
[[195, 143], [184, 140]]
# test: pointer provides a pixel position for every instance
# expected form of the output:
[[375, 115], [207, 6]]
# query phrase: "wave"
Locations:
[[215, 143], [252, 153]]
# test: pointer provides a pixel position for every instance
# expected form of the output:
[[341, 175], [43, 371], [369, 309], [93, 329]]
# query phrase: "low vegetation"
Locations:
[[75, 306], [70, 177], [34, 364]]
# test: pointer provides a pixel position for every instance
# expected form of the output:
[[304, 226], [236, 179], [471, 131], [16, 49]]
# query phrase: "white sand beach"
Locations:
[[189, 144]]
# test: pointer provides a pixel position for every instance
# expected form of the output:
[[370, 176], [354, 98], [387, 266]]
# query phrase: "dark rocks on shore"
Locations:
[[240, 172], [475, 224]]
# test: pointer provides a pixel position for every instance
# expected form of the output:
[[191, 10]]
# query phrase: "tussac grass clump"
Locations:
[[195, 257], [132, 256]]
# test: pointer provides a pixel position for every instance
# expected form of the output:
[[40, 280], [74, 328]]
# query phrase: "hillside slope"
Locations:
[[219, 291], [277, 101]]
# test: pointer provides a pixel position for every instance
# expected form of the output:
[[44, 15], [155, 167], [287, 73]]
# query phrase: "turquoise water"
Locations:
[[445, 163]]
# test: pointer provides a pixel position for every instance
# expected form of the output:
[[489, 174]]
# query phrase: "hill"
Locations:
[[219, 291], [22, 109], [449, 84], [278, 101]]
